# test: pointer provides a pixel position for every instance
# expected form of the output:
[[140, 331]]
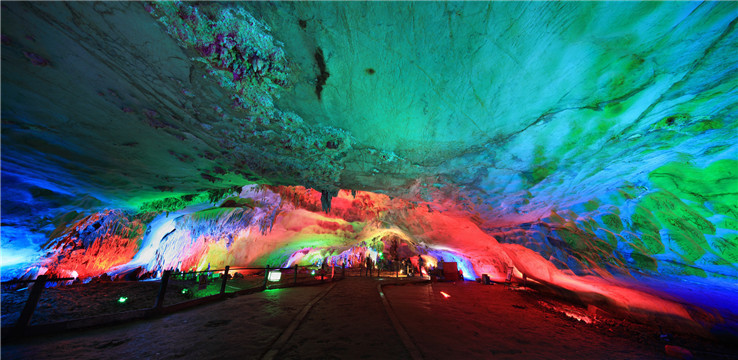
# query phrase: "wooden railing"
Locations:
[[312, 274], [38, 286]]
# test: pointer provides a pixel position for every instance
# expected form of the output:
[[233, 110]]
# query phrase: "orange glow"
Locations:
[[116, 246], [445, 295]]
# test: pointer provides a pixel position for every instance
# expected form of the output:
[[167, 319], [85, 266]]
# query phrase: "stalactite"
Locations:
[[325, 199]]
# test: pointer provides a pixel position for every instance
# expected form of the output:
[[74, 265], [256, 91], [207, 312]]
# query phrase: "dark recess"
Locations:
[[323, 76], [209, 177], [303, 23], [370, 71]]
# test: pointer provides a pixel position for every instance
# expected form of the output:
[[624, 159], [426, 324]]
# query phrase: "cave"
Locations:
[[369, 180]]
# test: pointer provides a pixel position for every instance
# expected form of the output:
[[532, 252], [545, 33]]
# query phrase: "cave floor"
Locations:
[[347, 320]]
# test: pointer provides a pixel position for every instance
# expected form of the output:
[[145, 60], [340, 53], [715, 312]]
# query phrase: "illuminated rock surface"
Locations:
[[591, 146]]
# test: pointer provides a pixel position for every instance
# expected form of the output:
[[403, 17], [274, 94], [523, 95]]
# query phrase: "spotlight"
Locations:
[[275, 276], [122, 300]]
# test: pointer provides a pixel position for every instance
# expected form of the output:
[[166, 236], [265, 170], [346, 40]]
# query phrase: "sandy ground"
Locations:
[[482, 322], [81, 300], [238, 328], [77, 301], [350, 322]]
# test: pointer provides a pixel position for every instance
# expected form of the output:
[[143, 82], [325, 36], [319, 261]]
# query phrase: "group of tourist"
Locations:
[[405, 265]]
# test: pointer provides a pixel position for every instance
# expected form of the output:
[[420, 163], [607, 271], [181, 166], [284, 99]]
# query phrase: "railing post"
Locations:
[[30, 307], [162, 289], [225, 279], [295, 273], [266, 276]]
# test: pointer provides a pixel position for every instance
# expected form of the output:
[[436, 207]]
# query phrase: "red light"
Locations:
[[445, 295]]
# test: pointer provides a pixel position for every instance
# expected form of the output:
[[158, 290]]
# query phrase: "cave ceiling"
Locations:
[[122, 103]]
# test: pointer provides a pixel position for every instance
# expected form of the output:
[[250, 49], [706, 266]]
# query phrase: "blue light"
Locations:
[[462, 262]]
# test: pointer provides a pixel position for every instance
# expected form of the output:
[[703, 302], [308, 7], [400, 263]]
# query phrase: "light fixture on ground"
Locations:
[[275, 275]]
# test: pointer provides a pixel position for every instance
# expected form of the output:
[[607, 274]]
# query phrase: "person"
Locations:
[[379, 262], [368, 266], [421, 264]]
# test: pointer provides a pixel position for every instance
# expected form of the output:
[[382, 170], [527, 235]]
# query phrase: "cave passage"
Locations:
[[582, 155]]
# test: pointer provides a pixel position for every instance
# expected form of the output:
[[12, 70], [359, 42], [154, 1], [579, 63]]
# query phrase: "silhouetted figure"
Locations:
[[368, 266], [379, 263], [421, 264]]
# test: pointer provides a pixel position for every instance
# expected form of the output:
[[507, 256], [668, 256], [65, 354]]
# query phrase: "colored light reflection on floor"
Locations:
[[445, 295]]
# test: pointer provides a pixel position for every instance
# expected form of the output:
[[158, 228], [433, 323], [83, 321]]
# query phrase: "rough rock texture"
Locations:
[[569, 140], [93, 245]]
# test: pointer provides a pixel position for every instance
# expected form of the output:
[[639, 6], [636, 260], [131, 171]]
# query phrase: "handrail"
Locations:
[[243, 268], [11, 282], [328, 273]]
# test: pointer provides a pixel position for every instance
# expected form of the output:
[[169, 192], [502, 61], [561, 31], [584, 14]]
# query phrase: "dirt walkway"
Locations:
[[238, 328], [483, 322], [348, 323]]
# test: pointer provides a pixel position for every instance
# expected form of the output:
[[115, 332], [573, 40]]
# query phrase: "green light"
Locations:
[[122, 299], [185, 291], [313, 273]]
